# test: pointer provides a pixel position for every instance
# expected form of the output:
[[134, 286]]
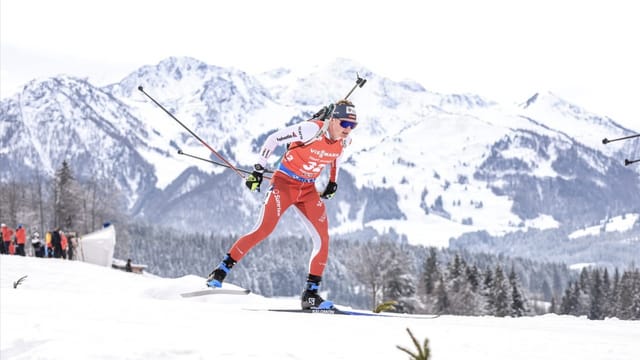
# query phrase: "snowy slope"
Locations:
[[575, 121], [618, 223], [74, 310]]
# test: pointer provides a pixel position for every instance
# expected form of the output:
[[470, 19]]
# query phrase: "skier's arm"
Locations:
[[303, 132], [335, 166]]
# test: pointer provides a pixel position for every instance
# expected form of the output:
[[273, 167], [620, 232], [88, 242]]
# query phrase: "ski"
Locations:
[[353, 313], [213, 291], [324, 311]]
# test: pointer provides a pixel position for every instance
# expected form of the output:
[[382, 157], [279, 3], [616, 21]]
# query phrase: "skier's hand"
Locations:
[[330, 190], [255, 179]]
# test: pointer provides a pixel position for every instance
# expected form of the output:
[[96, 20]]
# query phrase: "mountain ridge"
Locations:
[[421, 162]]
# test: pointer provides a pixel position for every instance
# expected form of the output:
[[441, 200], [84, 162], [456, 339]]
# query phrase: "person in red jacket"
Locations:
[[21, 238], [7, 233], [64, 244], [312, 145]]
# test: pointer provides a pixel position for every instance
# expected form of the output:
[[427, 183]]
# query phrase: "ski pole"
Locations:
[[228, 164], [221, 164], [359, 83], [606, 141], [628, 162]]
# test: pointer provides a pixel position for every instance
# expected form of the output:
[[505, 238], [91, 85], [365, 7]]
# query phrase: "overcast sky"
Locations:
[[583, 51]]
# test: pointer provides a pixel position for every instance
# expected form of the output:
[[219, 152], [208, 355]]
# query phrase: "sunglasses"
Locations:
[[348, 124]]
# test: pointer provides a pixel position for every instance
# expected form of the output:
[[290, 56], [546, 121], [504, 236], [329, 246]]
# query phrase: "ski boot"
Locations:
[[310, 299], [219, 273]]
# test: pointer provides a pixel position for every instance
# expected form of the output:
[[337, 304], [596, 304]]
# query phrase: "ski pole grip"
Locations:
[[359, 83]]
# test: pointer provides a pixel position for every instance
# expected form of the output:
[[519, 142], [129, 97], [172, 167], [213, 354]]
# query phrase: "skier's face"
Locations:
[[340, 129]]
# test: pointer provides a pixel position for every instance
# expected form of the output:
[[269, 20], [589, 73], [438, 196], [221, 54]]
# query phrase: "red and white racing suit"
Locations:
[[294, 184]]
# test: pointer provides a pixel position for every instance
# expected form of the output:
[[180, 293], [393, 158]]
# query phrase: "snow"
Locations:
[[543, 222], [74, 310], [620, 223], [580, 266]]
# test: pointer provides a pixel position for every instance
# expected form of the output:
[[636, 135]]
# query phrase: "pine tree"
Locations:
[[553, 306], [517, 301], [571, 301], [500, 293], [463, 284], [442, 298], [557, 282], [66, 198], [636, 295], [584, 279], [431, 272], [547, 293], [399, 284], [615, 293], [455, 271], [626, 299], [566, 303], [487, 286], [606, 294], [473, 278], [596, 297]]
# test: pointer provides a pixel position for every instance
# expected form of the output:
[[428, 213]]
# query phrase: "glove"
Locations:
[[255, 179], [330, 190]]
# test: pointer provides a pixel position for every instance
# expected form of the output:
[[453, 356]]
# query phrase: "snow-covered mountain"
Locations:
[[424, 166]]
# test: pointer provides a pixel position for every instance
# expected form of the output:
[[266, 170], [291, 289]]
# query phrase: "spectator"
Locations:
[[21, 239], [7, 233], [36, 242], [73, 245], [64, 244], [56, 242], [2, 239], [128, 266], [48, 250]]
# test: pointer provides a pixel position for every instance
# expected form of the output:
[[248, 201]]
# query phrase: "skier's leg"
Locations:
[[275, 204], [313, 215]]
